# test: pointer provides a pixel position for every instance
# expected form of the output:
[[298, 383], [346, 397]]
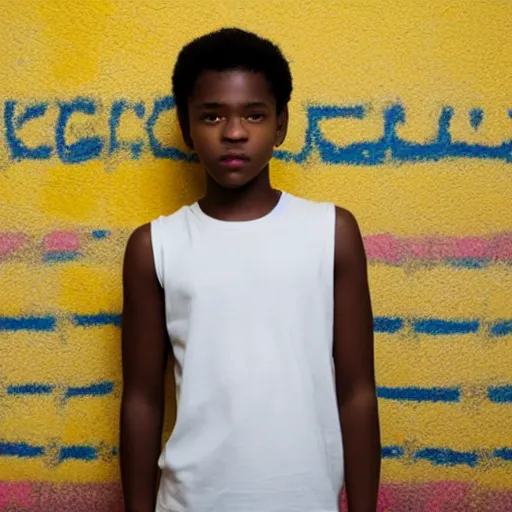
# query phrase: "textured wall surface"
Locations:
[[401, 112]]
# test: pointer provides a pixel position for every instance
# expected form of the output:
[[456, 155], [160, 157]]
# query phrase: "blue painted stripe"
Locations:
[[27, 323], [447, 457], [472, 263], [86, 453], [387, 324], [392, 452], [500, 394], [97, 320], [436, 456], [496, 394], [476, 116], [99, 389], [501, 328], [92, 390], [437, 326], [60, 256], [30, 389], [381, 324], [20, 450], [504, 453], [100, 234], [415, 394]]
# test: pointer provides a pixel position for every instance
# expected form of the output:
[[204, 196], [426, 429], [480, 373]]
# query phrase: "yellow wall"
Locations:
[[431, 192]]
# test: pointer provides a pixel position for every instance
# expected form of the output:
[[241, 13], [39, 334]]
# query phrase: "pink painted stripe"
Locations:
[[10, 242], [103, 497], [441, 496], [66, 497], [17, 494], [383, 248], [470, 247], [501, 246], [394, 497], [393, 250], [61, 241]]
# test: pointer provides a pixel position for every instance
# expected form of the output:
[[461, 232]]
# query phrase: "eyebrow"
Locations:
[[214, 105]]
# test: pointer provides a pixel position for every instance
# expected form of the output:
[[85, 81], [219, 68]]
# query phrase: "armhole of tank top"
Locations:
[[330, 258], [157, 250], [330, 242]]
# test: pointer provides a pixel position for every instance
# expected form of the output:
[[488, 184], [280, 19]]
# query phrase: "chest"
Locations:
[[236, 270]]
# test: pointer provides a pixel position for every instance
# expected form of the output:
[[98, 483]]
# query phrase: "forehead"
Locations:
[[231, 87]]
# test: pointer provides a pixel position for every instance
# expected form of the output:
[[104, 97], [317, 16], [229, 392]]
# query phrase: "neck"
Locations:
[[249, 202]]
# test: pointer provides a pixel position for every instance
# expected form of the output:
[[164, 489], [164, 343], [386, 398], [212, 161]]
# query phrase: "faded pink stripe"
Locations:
[[103, 497], [500, 247], [416, 248], [394, 497], [393, 250], [10, 242], [17, 494], [383, 248], [448, 496], [61, 241], [441, 247], [470, 247], [442, 496]]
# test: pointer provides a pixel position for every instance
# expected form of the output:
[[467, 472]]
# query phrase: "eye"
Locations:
[[256, 117], [210, 118]]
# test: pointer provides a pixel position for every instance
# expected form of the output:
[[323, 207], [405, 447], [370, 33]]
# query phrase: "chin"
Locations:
[[233, 180], [232, 184]]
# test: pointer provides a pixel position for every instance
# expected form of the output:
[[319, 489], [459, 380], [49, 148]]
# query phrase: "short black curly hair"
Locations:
[[229, 49]]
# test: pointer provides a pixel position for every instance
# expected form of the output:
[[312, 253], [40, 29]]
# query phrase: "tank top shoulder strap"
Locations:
[[166, 231], [321, 215]]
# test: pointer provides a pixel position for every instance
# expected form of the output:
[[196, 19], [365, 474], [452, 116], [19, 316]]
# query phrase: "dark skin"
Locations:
[[144, 354], [233, 125], [354, 366]]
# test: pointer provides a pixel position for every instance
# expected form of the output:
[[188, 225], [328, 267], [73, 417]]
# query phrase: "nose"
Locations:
[[234, 130]]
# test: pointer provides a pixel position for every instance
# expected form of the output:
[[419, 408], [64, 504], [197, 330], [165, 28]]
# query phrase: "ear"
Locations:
[[282, 126], [185, 129]]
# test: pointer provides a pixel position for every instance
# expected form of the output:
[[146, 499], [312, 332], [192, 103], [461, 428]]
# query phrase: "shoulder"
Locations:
[[139, 251], [140, 239], [346, 223], [309, 209], [141, 286], [170, 227], [349, 247], [347, 226], [144, 237], [149, 244]]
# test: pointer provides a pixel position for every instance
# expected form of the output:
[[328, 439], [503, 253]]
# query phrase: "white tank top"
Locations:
[[249, 310]]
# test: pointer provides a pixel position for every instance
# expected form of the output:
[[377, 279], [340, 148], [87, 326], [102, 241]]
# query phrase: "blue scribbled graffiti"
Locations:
[[118, 108], [389, 148]]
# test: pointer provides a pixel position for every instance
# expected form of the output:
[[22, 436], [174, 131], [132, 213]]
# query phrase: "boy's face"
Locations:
[[233, 125]]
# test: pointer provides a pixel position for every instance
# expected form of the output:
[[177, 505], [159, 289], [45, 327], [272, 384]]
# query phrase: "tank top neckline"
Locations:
[[241, 224]]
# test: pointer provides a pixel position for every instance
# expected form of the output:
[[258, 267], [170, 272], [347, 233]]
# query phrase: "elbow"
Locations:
[[136, 403], [363, 395]]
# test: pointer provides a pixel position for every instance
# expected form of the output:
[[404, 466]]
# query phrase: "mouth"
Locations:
[[234, 160]]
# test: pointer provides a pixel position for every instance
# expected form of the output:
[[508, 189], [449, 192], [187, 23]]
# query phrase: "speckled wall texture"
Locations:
[[402, 112]]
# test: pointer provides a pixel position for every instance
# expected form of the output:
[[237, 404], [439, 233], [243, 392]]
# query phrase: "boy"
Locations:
[[260, 292]]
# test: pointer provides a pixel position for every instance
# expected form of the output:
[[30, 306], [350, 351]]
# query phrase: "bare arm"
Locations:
[[144, 355], [354, 364]]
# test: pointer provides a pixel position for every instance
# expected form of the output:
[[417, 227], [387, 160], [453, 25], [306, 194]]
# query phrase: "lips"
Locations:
[[234, 159]]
